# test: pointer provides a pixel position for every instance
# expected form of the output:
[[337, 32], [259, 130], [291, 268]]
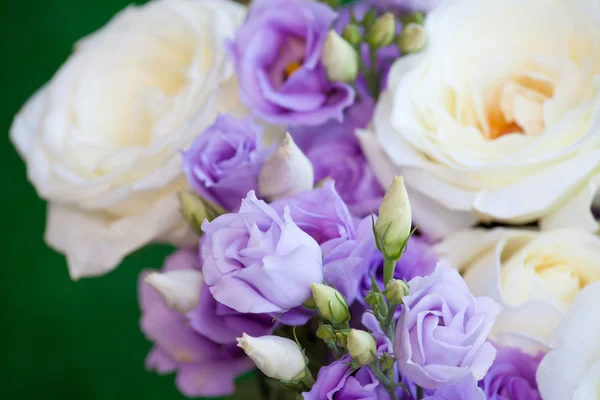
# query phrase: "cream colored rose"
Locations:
[[101, 140], [571, 371], [534, 275], [498, 118]]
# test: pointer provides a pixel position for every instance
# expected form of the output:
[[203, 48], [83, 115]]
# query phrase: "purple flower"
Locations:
[[223, 163], [441, 336], [205, 366], [277, 57], [466, 389], [335, 153], [258, 260], [512, 376], [338, 381]]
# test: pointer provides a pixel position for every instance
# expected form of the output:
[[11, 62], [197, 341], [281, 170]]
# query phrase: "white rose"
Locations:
[[571, 371], [534, 275], [498, 118], [101, 140]]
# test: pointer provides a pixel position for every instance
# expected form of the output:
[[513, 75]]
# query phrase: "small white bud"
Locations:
[[339, 58], [395, 290], [393, 225], [286, 172], [180, 289], [413, 38], [275, 356], [362, 346], [331, 304]]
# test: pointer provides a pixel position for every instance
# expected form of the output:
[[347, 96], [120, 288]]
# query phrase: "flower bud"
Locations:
[[414, 18], [352, 34], [196, 209], [362, 347], [382, 32], [339, 58], [179, 288], [413, 38], [393, 226], [325, 332], [395, 290], [331, 304], [286, 172], [369, 18], [275, 356]]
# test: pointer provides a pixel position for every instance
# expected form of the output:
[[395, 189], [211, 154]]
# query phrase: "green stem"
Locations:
[[334, 349], [374, 367], [389, 266], [308, 381], [420, 393]]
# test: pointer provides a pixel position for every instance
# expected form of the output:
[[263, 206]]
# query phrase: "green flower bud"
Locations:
[[382, 32], [331, 304], [375, 301], [393, 226], [369, 18], [352, 34], [395, 290], [361, 346], [339, 58], [414, 18], [195, 209], [413, 38]]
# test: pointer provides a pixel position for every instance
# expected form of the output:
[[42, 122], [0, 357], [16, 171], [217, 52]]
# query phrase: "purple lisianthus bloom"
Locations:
[[466, 389], [441, 335], [335, 153], [277, 57], [512, 376], [206, 362], [224, 162], [258, 260]]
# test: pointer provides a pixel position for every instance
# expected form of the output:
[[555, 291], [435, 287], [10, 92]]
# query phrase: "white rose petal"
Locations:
[[101, 140], [498, 118]]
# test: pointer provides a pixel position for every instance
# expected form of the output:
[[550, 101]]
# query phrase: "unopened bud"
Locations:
[[369, 18], [362, 346], [352, 34], [382, 32], [275, 356], [196, 209], [331, 304], [414, 18], [393, 226], [339, 58], [413, 38], [286, 172], [325, 332], [395, 290], [179, 288]]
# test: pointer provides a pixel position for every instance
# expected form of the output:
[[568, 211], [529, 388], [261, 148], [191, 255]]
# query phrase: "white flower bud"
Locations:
[[413, 38], [362, 347], [286, 172], [179, 288], [331, 304], [339, 58], [276, 357], [394, 223], [383, 30], [395, 290]]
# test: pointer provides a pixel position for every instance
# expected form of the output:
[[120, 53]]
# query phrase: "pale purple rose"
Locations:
[[466, 389], [441, 335], [223, 163], [204, 366], [258, 260], [335, 153], [512, 376], [277, 57]]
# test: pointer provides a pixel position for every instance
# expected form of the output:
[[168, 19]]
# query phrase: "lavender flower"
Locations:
[[466, 389], [277, 57], [205, 356], [224, 162], [512, 376], [258, 260], [441, 336], [335, 153]]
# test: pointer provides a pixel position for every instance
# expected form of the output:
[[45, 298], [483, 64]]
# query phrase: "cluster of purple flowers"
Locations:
[[258, 261]]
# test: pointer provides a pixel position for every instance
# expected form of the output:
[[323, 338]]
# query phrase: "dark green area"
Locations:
[[60, 339]]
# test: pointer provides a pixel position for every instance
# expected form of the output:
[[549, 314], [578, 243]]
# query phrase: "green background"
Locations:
[[60, 339]]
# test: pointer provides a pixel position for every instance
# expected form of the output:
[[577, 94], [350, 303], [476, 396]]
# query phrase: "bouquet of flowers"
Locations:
[[388, 199]]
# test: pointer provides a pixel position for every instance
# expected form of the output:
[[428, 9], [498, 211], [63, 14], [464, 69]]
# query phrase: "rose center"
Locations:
[[518, 107]]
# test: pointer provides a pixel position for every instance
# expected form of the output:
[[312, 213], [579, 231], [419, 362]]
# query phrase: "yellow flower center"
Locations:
[[291, 68]]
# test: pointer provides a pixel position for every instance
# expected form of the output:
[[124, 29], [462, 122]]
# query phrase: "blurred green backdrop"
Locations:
[[60, 339]]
